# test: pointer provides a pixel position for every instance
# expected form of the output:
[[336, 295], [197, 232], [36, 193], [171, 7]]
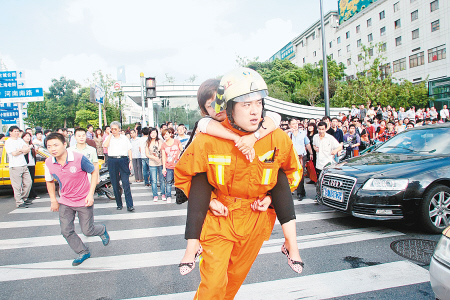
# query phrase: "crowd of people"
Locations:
[[236, 181]]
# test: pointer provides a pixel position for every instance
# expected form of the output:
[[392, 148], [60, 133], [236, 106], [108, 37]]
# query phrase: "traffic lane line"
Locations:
[[42, 241], [166, 258], [327, 285]]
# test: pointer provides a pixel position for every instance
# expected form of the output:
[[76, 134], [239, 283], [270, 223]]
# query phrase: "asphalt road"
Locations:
[[345, 257]]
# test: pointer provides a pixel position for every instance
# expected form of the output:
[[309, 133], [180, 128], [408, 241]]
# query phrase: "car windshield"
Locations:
[[433, 141]]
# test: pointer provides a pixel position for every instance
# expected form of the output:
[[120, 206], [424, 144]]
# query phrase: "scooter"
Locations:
[[104, 187]]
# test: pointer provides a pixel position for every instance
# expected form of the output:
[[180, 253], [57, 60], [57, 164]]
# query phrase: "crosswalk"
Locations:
[[140, 262]]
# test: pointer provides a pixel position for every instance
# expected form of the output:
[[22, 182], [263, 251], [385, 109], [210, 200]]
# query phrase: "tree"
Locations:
[[169, 79], [310, 91], [58, 108], [192, 78], [110, 109], [374, 84]]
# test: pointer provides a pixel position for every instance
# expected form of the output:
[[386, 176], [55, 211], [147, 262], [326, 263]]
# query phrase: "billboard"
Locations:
[[287, 52], [348, 8]]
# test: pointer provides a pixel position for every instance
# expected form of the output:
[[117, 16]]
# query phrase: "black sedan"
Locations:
[[406, 178]]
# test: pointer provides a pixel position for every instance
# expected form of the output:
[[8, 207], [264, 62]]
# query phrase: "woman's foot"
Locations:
[[193, 251], [163, 197], [296, 262]]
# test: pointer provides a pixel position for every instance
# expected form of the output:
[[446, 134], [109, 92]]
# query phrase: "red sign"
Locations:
[[117, 86]]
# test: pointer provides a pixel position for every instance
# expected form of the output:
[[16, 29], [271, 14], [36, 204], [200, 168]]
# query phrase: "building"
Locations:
[[414, 35]]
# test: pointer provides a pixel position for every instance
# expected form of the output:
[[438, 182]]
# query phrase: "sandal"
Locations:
[[296, 266], [186, 268]]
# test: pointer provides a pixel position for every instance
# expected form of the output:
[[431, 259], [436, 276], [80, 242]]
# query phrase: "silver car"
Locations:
[[440, 267]]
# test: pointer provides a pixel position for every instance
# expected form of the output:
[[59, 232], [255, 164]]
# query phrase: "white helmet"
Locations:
[[240, 85]]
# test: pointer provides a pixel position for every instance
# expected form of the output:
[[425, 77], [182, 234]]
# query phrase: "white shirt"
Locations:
[[118, 146], [12, 146], [444, 113], [142, 144], [135, 143], [327, 144]]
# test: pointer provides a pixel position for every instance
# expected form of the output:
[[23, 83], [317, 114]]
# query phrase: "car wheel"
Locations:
[[435, 209]]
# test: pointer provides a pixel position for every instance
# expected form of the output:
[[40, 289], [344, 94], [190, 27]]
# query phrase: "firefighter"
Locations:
[[231, 242]]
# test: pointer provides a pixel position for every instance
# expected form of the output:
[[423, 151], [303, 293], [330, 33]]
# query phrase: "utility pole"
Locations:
[[143, 100], [326, 94]]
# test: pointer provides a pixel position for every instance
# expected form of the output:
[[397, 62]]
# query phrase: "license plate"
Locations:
[[333, 194]]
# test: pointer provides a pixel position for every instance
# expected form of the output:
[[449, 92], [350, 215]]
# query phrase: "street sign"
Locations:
[[99, 94], [9, 114], [117, 86], [8, 106], [22, 95], [8, 84], [8, 74]]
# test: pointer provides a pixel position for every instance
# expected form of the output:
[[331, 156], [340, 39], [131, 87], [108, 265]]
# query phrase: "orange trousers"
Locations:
[[230, 246]]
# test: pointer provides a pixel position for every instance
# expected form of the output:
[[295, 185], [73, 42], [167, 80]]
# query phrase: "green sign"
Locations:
[[348, 8]]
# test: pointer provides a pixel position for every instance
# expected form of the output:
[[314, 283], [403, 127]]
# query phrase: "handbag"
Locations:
[[311, 170]]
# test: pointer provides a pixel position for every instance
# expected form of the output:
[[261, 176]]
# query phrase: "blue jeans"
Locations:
[[169, 182], [145, 170], [156, 172], [119, 168]]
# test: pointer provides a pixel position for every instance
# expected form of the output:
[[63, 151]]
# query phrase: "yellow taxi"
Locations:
[[4, 166], [41, 156]]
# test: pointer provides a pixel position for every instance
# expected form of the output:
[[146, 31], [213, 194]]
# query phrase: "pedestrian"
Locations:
[[106, 133], [326, 147], [83, 148], [444, 113], [301, 144], [19, 174], [90, 132], [142, 146], [181, 135], [119, 164], [171, 150], [39, 141], [154, 158], [353, 140], [137, 161], [98, 139], [76, 194], [240, 220], [30, 158]]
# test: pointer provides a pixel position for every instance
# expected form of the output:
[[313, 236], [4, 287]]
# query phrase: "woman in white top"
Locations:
[[153, 152], [30, 157]]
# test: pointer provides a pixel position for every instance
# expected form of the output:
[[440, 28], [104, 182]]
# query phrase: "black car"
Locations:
[[406, 178]]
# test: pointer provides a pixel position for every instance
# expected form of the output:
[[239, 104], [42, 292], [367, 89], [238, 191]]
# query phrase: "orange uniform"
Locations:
[[231, 244]]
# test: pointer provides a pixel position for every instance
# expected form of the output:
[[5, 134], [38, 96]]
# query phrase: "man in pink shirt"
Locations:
[[76, 194]]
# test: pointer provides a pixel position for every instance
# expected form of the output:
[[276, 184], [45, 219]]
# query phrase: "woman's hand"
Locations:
[[261, 205], [164, 172], [245, 145], [217, 208]]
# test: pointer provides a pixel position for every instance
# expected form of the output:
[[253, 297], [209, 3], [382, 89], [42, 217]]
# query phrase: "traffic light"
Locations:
[[150, 87], [163, 102]]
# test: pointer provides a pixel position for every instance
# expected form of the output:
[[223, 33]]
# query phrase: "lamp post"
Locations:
[[326, 94]]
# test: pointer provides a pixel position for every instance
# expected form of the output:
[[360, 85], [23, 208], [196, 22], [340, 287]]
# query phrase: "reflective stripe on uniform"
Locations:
[[220, 161], [267, 174]]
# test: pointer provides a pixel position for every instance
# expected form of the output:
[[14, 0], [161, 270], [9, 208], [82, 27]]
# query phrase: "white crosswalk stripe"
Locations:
[[164, 227]]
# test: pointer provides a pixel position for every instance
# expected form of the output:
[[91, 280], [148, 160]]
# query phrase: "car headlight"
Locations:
[[374, 184], [442, 251]]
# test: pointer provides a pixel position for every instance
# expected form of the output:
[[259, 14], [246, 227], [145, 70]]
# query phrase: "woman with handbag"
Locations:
[[30, 157]]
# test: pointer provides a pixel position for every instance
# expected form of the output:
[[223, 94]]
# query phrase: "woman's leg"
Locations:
[[169, 182], [198, 206], [33, 193], [162, 181], [153, 177], [284, 207]]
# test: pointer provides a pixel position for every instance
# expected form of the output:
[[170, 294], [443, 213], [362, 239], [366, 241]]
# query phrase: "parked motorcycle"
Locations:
[[104, 187]]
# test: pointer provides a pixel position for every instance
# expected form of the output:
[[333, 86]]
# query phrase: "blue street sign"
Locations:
[[10, 122], [8, 84], [7, 79], [9, 74], [22, 93], [8, 106], [9, 114]]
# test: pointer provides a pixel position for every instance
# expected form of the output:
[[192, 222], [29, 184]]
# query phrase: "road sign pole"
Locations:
[[99, 115], [21, 124], [143, 100]]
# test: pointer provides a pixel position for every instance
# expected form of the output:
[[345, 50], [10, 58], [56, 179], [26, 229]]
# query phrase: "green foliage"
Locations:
[[372, 86], [63, 106], [181, 114]]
